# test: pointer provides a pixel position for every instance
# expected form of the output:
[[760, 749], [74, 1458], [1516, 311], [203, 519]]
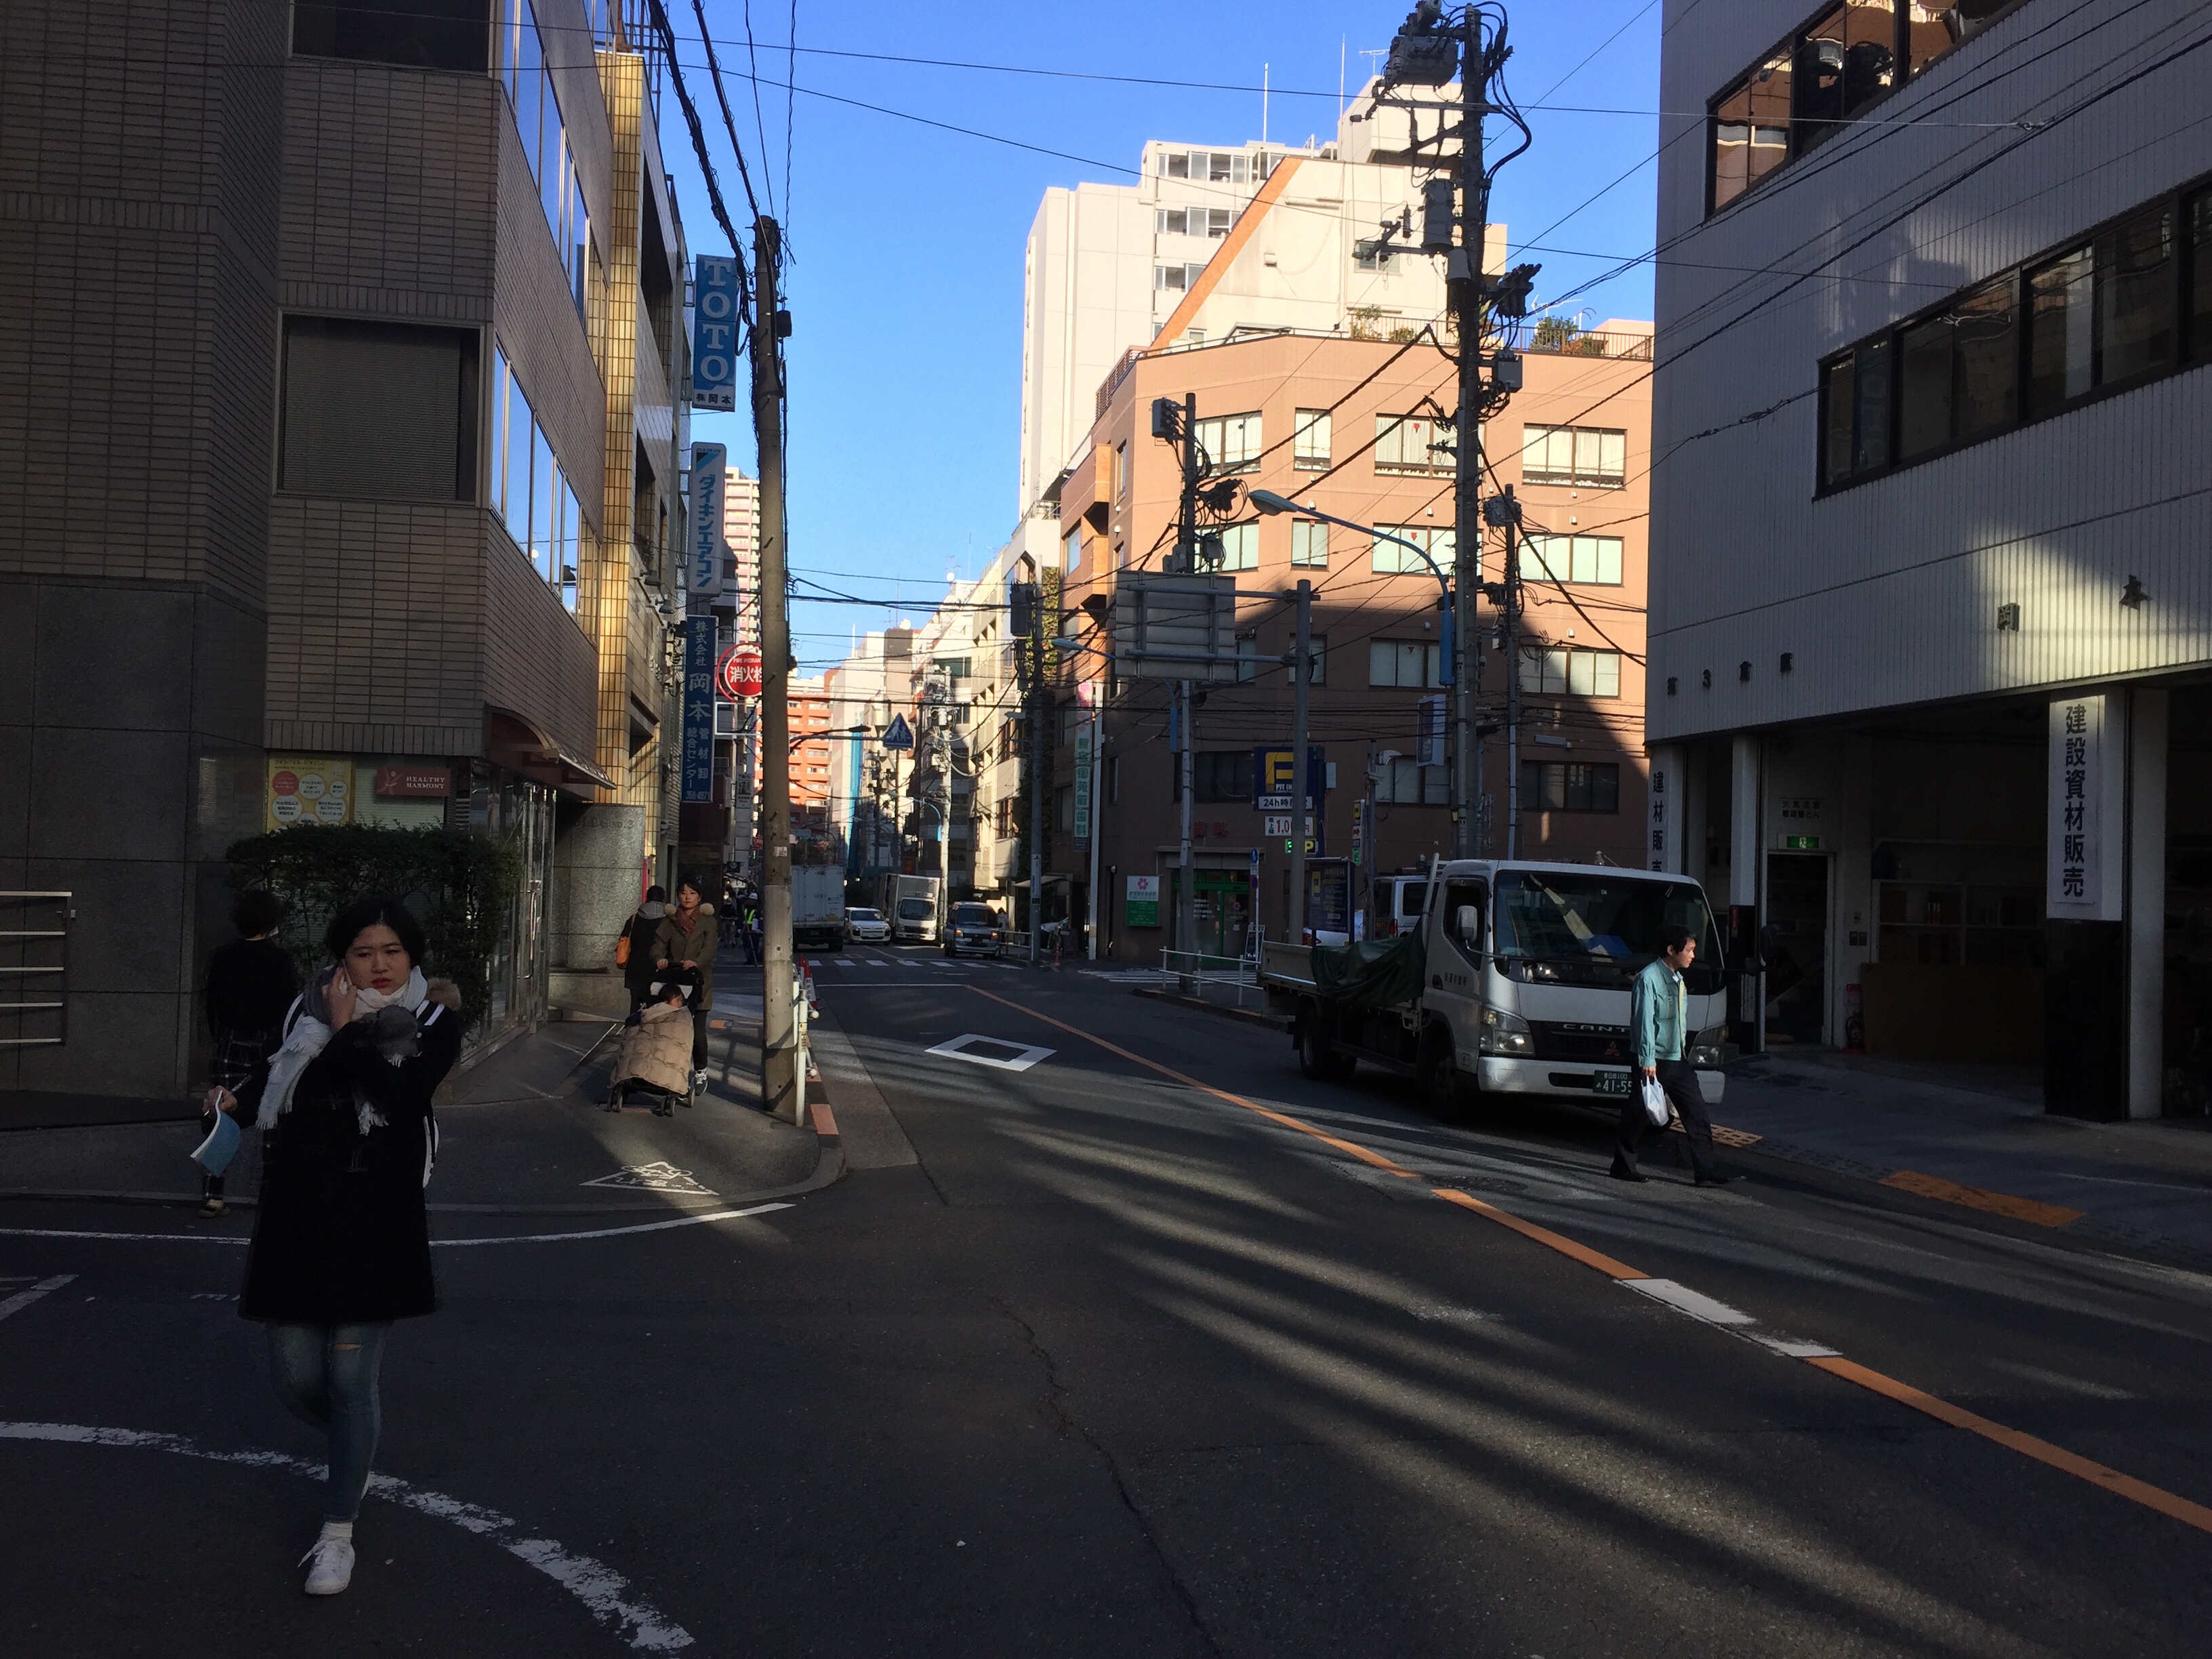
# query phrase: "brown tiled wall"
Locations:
[[537, 660]]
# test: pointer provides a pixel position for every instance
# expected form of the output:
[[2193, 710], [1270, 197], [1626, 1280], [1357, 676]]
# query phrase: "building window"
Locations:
[[1178, 278], [1404, 783], [1595, 457], [1193, 221], [1224, 167], [378, 410], [444, 34], [1411, 443], [1239, 543], [1221, 777], [1248, 657], [1317, 664], [1826, 74], [1063, 807], [1121, 472], [528, 488], [1071, 548], [1309, 545], [1392, 560], [2123, 305], [1374, 258], [528, 77], [1415, 663], [1594, 560], [1232, 443], [1569, 670], [1570, 786], [1309, 441]]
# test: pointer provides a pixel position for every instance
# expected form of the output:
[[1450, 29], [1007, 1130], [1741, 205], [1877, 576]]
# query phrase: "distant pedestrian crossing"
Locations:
[[848, 960]]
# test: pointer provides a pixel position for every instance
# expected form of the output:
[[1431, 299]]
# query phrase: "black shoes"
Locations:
[[1619, 1174]]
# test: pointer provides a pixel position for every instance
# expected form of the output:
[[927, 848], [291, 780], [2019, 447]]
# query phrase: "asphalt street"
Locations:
[[1118, 1338]]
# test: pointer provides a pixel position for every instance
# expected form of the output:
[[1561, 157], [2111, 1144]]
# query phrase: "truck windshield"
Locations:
[[915, 910], [1598, 928]]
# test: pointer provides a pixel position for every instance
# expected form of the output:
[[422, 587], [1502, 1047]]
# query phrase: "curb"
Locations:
[[1247, 1015]]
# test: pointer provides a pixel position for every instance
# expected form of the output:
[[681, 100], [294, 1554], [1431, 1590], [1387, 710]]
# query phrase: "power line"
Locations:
[[759, 125]]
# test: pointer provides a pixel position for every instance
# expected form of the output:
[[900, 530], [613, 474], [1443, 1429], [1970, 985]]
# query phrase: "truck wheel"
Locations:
[[1442, 1081], [1317, 1056]]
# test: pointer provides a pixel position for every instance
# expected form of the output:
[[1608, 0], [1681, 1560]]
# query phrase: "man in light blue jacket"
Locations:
[[1657, 1017]]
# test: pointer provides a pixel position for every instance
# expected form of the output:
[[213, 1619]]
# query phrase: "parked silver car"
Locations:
[[973, 928]]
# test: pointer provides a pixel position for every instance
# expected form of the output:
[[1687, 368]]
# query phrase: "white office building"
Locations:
[[1931, 605]]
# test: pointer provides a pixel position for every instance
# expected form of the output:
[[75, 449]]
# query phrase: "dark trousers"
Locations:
[[700, 1015], [211, 1185], [1680, 1079]]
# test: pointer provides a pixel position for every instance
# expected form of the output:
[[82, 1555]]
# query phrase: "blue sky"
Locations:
[[905, 283]]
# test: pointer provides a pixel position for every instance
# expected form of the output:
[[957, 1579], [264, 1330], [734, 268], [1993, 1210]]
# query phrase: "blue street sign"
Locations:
[[699, 710], [900, 736], [714, 332]]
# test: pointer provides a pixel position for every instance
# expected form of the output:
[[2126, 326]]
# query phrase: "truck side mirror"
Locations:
[[1467, 924]]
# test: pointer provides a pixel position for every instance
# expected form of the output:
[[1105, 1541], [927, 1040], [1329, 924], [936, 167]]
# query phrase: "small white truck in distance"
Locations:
[[1516, 981], [817, 907]]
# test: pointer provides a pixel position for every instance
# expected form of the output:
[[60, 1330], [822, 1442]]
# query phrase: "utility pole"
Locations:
[[779, 1056], [1037, 753], [1463, 272], [1512, 517], [1301, 658]]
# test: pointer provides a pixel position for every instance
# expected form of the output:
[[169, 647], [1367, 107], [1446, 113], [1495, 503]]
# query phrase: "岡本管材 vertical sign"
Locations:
[[699, 711], [714, 332], [2083, 883]]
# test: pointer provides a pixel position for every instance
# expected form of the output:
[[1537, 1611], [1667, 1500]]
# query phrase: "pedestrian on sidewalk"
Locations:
[[1658, 1010], [750, 929], [687, 939], [341, 1238], [251, 982], [641, 930]]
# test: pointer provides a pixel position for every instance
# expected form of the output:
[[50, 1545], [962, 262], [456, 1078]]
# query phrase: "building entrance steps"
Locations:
[[522, 1132], [1977, 1136]]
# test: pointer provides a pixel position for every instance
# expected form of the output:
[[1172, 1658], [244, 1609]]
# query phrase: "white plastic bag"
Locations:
[[1655, 1103]]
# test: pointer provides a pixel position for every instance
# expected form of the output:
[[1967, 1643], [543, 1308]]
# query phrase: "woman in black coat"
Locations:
[[341, 1238]]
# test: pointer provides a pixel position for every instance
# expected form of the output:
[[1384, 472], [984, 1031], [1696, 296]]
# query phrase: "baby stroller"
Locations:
[[652, 1060]]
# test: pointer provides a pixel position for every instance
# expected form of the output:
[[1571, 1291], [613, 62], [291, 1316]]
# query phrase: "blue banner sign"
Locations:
[[714, 332], [703, 565], [699, 711]]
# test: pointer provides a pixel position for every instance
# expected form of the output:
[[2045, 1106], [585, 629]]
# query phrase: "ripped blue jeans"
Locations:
[[326, 1375]]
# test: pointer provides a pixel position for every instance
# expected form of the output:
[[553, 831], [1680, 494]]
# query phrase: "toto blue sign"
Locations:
[[714, 332]]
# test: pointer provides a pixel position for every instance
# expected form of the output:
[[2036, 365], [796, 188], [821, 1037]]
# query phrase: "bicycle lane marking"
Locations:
[[1694, 1305]]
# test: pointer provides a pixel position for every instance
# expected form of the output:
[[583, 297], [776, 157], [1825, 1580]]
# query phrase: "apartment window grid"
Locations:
[[1391, 559], [1406, 783], [1818, 79], [1218, 167], [1178, 278], [1594, 458], [1232, 443], [1212, 222], [1569, 670], [1240, 545], [1309, 439], [446, 34], [1414, 663], [1569, 786], [537, 109], [1411, 443], [529, 490], [1219, 777], [1592, 561], [1309, 545], [2128, 303]]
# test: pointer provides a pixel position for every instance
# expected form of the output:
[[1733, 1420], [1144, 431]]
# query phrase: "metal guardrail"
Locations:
[[1194, 970], [29, 989]]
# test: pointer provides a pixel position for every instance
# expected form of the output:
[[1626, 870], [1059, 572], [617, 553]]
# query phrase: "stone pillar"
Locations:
[[598, 860], [2146, 902]]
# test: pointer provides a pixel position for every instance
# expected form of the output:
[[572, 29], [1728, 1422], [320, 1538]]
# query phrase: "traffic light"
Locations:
[[1021, 601], [1164, 411]]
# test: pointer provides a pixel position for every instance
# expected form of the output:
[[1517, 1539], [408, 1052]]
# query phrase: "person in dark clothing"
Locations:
[[341, 1238], [638, 973], [251, 982], [688, 938]]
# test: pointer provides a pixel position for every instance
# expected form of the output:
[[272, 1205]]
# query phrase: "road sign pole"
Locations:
[[1301, 802]]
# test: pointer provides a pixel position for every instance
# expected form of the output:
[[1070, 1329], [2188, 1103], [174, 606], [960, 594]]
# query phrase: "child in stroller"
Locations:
[[653, 1060]]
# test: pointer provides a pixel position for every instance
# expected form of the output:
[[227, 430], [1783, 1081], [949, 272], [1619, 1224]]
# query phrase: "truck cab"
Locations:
[[1518, 981]]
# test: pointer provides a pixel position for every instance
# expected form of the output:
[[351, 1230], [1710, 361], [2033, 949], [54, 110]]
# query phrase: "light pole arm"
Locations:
[[1273, 504]]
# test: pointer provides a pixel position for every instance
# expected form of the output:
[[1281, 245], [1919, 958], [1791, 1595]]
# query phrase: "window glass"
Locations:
[[1406, 443], [2061, 362], [2134, 296], [1987, 361], [1870, 419], [1570, 786], [1317, 644], [1596, 456], [1309, 545], [1240, 546], [1836, 406], [521, 425], [1924, 416], [528, 83], [1569, 671], [1933, 30], [495, 494], [1176, 166], [1310, 446], [1598, 929], [544, 488], [1231, 442], [446, 34], [1392, 560], [2199, 301], [378, 410], [1844, 62]]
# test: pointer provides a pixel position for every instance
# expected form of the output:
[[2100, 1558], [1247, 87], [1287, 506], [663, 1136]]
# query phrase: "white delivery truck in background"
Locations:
[[910, 904], [1516, 981], [817, 907]]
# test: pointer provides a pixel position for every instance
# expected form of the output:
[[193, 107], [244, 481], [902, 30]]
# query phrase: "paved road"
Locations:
[[1120, 1365]]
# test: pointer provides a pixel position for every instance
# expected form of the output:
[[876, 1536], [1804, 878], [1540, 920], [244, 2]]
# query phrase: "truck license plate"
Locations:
[[1610, 1082]]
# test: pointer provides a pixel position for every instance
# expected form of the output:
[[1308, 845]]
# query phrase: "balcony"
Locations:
[[1554, 337]]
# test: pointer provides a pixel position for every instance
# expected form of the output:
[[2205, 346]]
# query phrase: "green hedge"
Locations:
[[459, 882]]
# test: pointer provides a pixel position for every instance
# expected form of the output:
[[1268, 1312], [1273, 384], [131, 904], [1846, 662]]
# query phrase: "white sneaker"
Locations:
[[698, 1083], [330, 1565]]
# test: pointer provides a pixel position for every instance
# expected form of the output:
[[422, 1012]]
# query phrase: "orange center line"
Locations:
[[2112, 1480]]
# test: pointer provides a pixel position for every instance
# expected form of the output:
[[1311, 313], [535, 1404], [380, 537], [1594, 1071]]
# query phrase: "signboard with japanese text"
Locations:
[[2083, 881], [1273, 776], [308, 791], [714, 332], [1085, 735], [1141, 906], [699, 712], [702, 566]]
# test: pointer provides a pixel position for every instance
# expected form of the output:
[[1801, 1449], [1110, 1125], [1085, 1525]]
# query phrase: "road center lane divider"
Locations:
[[435, 1243], [1691, 1303]]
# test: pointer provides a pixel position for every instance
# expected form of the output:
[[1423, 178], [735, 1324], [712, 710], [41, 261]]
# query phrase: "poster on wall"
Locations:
[[1141, 908], [302, 790]]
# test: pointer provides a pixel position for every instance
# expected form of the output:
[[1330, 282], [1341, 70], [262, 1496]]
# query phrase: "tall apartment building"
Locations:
[[1107, 268], [811, 820], [1930, 645], [863, 789], [338, 385]]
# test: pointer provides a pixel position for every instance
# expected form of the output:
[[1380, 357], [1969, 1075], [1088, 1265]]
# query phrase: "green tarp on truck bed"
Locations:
[[1373, 974]]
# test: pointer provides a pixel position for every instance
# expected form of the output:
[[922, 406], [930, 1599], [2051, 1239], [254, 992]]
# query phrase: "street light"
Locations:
[[1270, 503]]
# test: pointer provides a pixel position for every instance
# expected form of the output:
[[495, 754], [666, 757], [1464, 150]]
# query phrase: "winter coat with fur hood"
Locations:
[[696, 943], [341, 1235]]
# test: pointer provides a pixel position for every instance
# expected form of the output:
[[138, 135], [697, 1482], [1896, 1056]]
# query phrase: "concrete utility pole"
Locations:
[[1038, 713], [1301, 672], [1186, 890], [1512, 515], [1463, 270], [779, 1056]]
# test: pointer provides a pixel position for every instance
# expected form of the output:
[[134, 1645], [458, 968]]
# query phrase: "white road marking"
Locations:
[[435, 1243], [1023, 1056], [1683, 1299], [23, 1299], [597, 1586], [662, 1177]]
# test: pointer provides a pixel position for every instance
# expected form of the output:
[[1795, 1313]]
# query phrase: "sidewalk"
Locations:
[[523, 1131], [1978, 1137]]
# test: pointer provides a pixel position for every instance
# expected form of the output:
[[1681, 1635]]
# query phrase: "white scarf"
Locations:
[[309, 1036]]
